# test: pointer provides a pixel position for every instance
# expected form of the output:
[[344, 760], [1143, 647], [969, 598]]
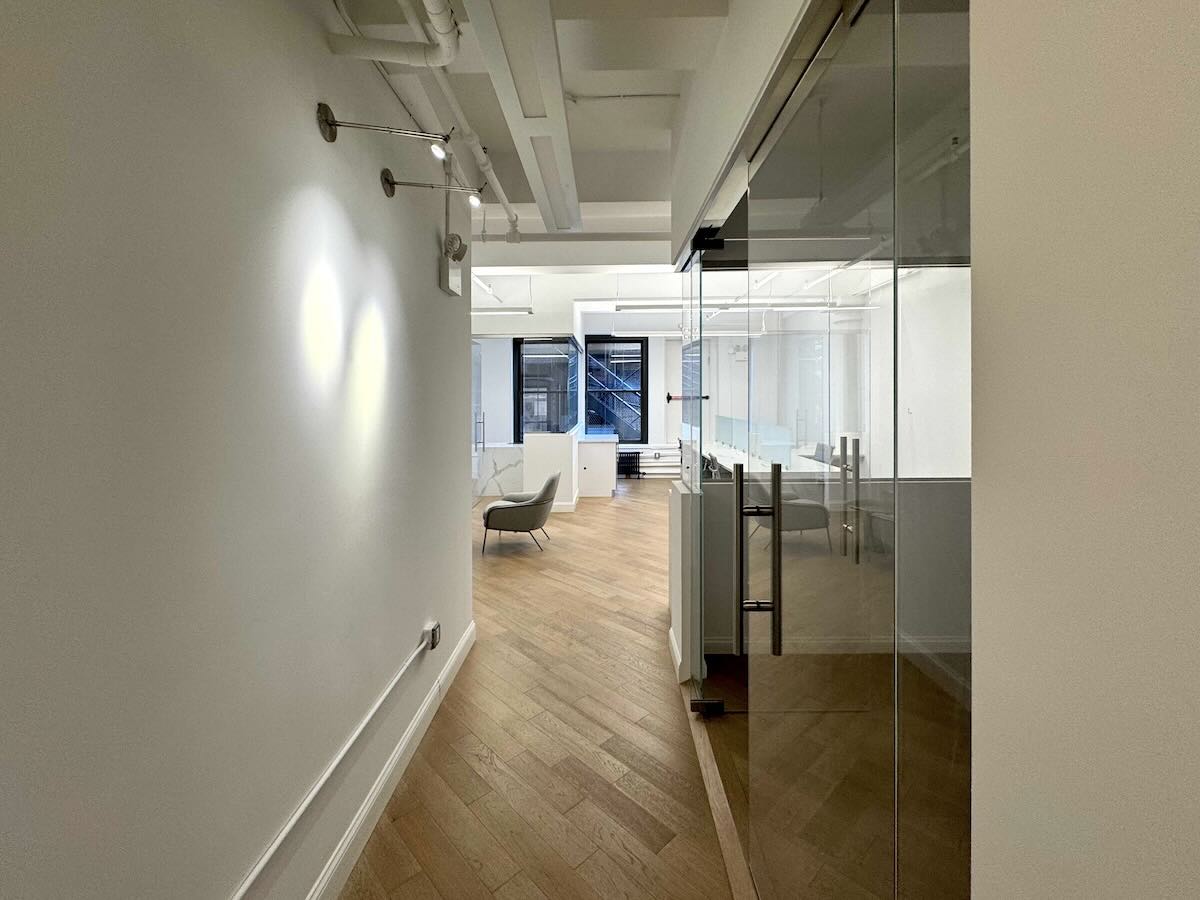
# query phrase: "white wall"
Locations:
[[224, 360], [934, 386], [673, 382], [548, 453], [497, 360], [1086, 449]]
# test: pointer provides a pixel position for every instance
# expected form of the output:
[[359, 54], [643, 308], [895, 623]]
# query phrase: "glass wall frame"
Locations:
[[545, 385], [615, 372]]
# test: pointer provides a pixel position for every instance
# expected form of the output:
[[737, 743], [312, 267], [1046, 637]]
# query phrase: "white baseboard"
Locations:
[[564, 505], [340, 863], [676, 656]]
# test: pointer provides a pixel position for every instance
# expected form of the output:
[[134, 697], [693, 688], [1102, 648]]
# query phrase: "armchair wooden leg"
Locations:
[[536, 541], [484, 550], [543, 530]]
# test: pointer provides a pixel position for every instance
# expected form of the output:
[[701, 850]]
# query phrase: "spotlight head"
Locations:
[[438, 149], [455, 247], [474, 200]]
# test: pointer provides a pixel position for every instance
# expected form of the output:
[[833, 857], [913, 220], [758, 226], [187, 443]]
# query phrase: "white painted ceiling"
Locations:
[[604, 161]]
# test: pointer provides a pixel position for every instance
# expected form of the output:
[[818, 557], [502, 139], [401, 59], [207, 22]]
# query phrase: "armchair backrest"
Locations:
[[548, 492]]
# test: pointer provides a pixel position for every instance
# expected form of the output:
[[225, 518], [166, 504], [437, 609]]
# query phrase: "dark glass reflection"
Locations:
[[615, 388]]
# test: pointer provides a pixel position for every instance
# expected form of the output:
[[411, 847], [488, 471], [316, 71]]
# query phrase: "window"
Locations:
[[616, 387], [545, 385]]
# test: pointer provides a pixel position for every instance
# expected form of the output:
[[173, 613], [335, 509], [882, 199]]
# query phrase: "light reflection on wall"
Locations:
[[367, 383], [340, 311], [322, 326]]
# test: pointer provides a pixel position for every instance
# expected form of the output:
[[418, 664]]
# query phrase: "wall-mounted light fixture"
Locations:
[[390, 184], [329, 125]]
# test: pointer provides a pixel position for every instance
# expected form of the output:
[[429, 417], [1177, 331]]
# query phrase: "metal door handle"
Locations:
[[739, 555], [857, 502], [741, 605], [845, 494], [847, 527], [777, 559]]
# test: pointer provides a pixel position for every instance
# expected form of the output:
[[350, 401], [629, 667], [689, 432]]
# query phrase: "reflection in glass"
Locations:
[[547, 384], [615, 388]]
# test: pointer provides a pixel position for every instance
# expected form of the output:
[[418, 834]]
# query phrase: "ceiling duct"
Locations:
[[409, 53]]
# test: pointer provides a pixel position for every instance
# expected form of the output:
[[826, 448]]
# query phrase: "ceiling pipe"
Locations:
[[466, 133], [409, 53]]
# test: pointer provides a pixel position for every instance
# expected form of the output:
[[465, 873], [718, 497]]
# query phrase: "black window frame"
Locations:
[[518, 380], [588, 340]]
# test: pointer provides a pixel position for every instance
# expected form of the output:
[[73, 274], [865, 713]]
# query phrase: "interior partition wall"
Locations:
[[832, 447]]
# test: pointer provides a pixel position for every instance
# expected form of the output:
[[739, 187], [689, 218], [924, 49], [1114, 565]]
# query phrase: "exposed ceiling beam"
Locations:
[[520, 47]]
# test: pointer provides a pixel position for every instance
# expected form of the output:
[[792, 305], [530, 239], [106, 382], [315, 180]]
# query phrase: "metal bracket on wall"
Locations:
[[328, 125], [390, 184]]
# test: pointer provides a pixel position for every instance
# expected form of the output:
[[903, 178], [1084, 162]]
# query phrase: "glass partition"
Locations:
[[546, 385], [615, 396], [821, 560], [832, 331], [933, 473]]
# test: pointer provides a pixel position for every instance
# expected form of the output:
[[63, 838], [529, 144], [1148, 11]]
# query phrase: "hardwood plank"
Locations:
[[642, 866], [681, 760], [453, 769], [362, 884], [483, 727], [489, 860], [496, 691], [389, 857], [445, 866], [588, 726], [520, 887], [419, 887], [609, 880], [559, 792], [591, 755], [685, 789], [551, 826], [545, 867], [624, 809]]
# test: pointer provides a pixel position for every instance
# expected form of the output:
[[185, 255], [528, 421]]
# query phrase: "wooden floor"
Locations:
[[560, 764]]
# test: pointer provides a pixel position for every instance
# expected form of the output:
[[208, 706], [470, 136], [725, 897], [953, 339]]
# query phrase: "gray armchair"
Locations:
[[799, 514], [526, 512]]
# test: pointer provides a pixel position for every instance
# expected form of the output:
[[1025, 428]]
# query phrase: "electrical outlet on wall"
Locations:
[[432, 635]]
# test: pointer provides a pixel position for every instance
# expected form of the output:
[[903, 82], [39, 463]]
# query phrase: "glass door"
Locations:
[[832, 334], [818, 480]]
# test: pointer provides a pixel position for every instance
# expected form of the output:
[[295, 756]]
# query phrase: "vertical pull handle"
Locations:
[[845, 493], [857, 502], [775, 513], [739, 555], [776, 559]]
